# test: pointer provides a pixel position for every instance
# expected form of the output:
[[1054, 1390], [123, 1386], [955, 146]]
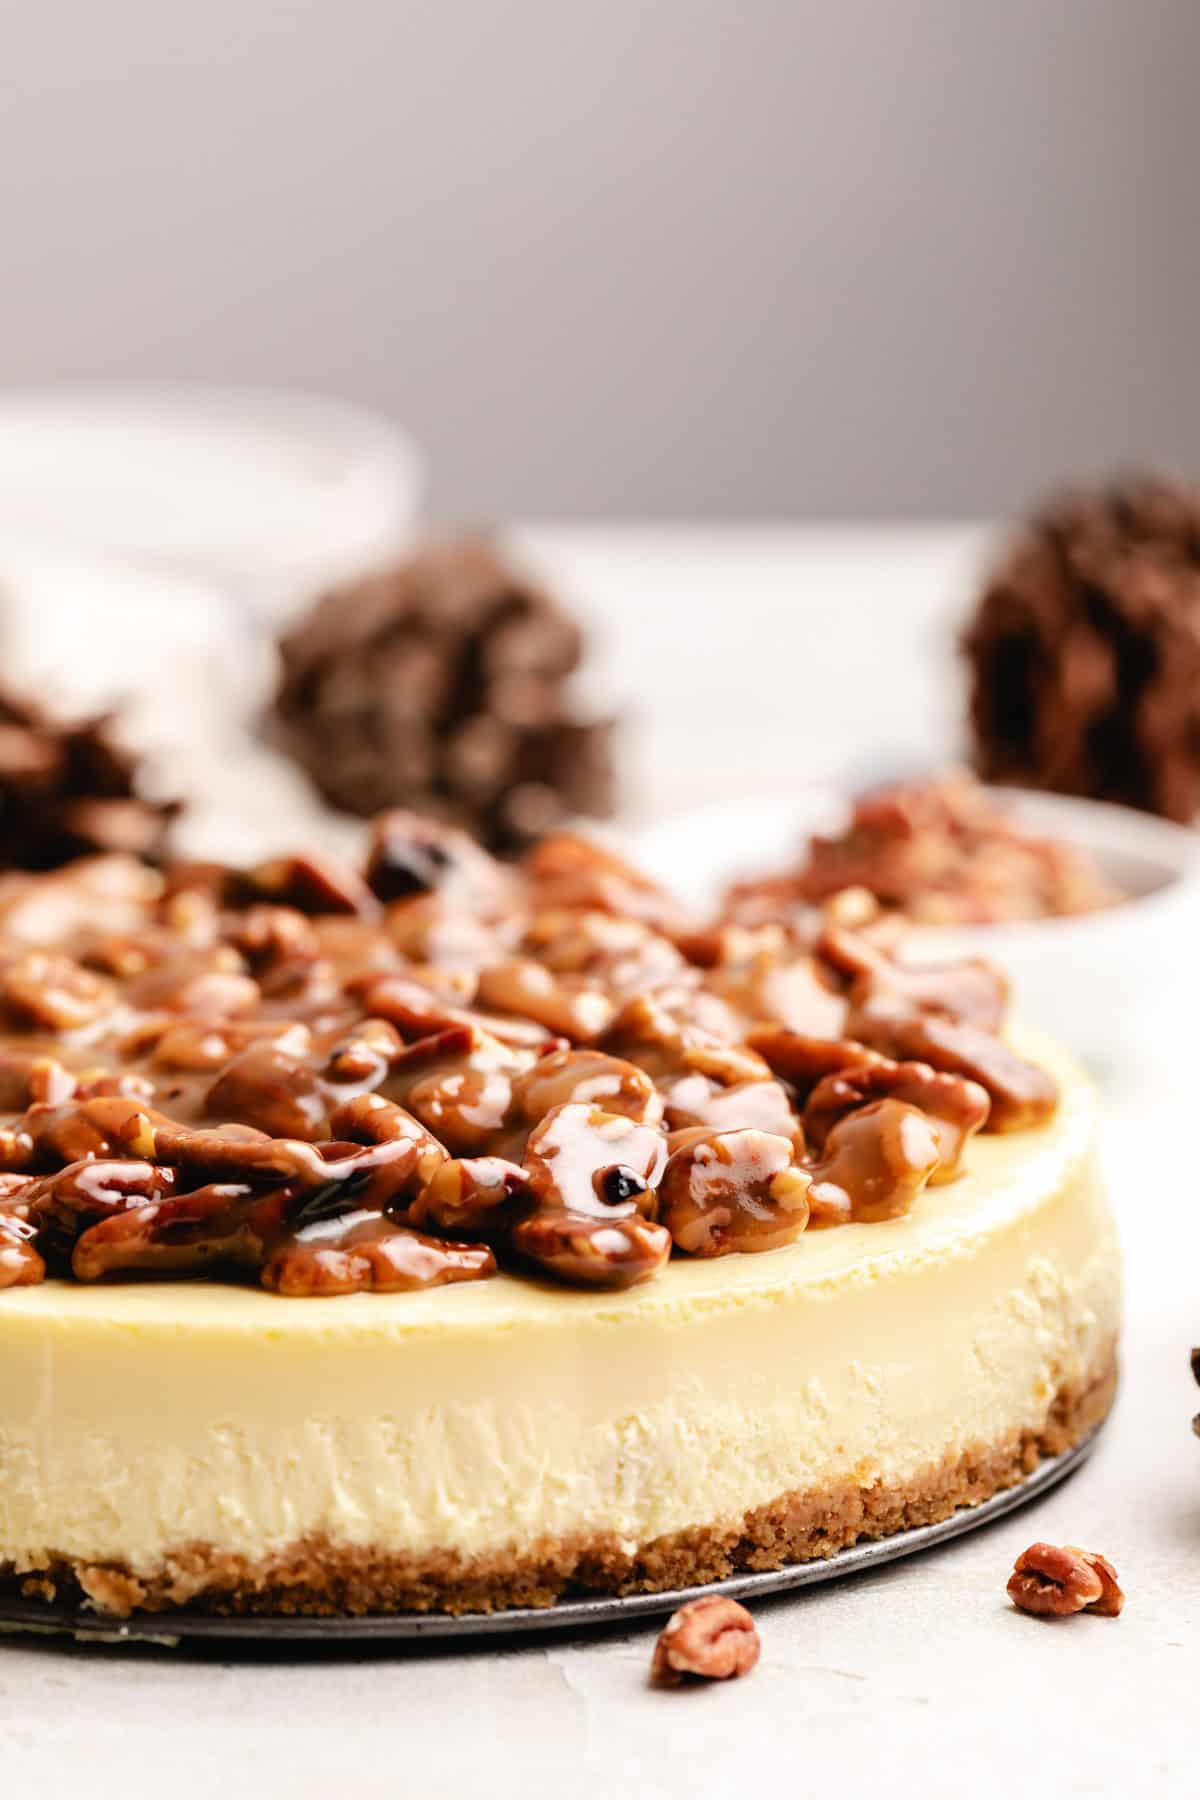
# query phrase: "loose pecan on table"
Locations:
[[710, 1639], [1055, 1580]]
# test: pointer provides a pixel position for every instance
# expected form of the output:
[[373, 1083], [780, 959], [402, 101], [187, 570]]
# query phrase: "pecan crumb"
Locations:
[[710, 1639], [1053, 1580]]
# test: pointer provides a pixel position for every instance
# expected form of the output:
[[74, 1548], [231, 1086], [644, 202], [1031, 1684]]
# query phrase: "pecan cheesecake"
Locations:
[[448, 1236]]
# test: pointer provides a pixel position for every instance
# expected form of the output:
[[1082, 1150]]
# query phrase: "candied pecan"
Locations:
[[594, 1163], [466, 1107], [785, 990], [364, 1252], [64, 1205], [52, 1136], [649, 1033], [473, 1196], [1022, 1094], [184, 1234], [410, 854], [591, 1076], [365, 1054], [54, 992], [567, 1005], [710, 1639], [733, 1190], [803, 1061], [876, 1160], [958, 1107], [21, 1264], [623, 955], [26, 1079], [763, 1105], [593, 1252], [270, 935], [418, 1012], [969, 989], [1055, 1580], [571, 872], [265, 1087], [312, 884]]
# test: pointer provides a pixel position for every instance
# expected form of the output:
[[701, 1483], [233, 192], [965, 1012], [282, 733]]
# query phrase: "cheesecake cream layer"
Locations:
[[139, 1421]]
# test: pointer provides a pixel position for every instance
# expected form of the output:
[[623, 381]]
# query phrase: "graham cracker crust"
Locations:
[[320, 1578]]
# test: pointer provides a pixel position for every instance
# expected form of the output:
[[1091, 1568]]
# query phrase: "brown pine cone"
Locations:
[[1085, 650], [70, 788], [440, 685]]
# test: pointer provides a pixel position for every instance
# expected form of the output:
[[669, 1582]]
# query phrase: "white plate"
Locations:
[[1118, 986]]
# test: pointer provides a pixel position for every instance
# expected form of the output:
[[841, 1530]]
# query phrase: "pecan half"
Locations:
[[710, 1639], [733, 1190], [958, 1107], [1055, 1580]]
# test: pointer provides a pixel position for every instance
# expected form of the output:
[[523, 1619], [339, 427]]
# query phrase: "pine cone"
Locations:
[[70, 789], [440, 685], [1085, 650]]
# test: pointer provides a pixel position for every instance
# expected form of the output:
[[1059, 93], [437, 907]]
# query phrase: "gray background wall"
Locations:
[[631, 257]]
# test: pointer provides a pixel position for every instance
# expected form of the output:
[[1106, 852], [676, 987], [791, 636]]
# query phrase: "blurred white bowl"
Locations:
[[271, 495], [1119, 986]]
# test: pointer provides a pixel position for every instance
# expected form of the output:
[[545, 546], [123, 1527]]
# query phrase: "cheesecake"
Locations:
[[441, 1236]]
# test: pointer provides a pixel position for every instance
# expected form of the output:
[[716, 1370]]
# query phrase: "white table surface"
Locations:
[[756, 658]]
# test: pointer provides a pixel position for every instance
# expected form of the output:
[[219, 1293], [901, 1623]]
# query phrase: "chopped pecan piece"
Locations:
[[958, 1107], [208, 1228], [876, 1161], [710, 1639], [1022, 1094], [733, 1190], [1055, 1580]]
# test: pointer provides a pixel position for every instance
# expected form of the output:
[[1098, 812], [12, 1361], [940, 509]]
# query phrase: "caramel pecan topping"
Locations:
[[327, 1085], [710, 1639], [1055, 1580]]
